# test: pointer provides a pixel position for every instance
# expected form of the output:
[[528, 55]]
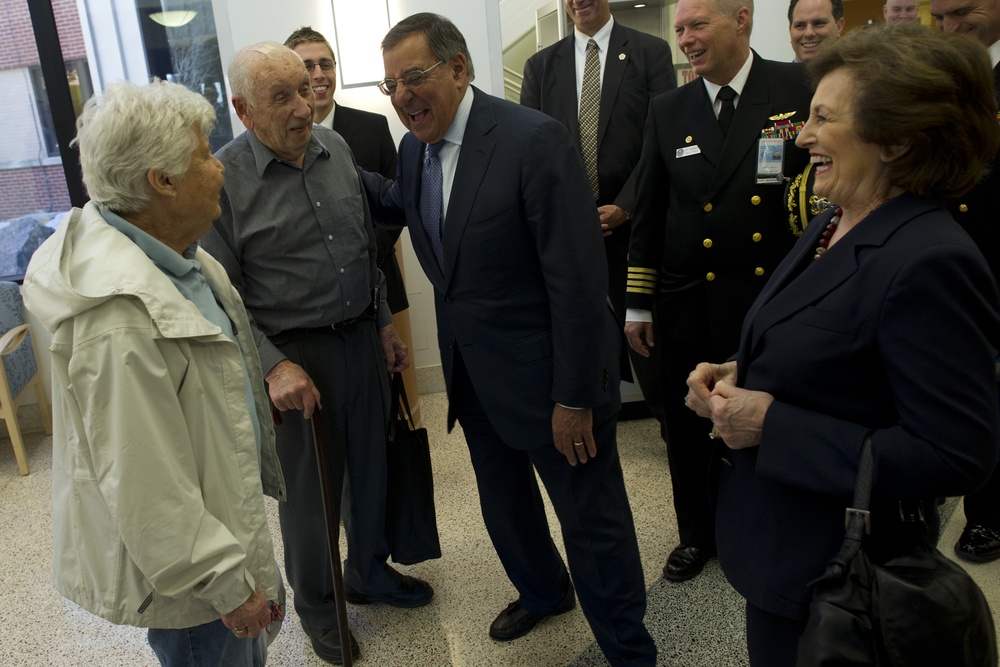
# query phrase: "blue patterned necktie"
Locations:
[[430, 199]]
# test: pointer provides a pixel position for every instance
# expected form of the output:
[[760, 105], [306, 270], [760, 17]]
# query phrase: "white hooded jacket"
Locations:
[[158, 509]]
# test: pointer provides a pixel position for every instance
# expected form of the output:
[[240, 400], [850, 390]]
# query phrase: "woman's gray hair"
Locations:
[[445, 40], [128, 130]]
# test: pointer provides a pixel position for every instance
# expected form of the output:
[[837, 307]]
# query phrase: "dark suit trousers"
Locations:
[[593, 509], [983, 506], [646, 368], [689, 449], [347, 368], [772, 640]]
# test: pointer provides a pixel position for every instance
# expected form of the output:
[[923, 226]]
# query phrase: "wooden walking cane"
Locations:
[[332, 535]]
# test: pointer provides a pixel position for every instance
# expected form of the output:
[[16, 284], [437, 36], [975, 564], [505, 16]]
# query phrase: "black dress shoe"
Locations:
[[685, 563], [978, 543], [516, 621], [326, 643], [409, 592]]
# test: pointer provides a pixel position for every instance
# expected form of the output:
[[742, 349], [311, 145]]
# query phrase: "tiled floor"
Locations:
[[696, 623]]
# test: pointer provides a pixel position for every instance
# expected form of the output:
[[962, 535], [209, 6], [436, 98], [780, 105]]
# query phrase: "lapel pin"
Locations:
[[621, 56]]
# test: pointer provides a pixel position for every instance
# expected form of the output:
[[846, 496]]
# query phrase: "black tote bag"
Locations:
[[411, 522]]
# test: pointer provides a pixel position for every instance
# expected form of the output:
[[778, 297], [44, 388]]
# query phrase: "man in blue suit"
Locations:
[[504, 225]]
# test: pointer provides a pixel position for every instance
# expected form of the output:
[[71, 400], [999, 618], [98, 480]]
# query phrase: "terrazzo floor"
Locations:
[[695, 623]]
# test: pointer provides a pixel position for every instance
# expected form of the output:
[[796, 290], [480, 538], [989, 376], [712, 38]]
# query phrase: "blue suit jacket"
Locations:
[[522, 292], [893, 331]]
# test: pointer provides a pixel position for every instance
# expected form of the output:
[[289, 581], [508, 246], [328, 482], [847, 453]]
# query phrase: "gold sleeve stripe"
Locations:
[[641, 280]]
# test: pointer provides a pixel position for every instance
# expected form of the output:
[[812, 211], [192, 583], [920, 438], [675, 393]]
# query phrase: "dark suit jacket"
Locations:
[[894, 331], [703, 227], [628, 84], [976, 211], [368, 136], [522, 292]]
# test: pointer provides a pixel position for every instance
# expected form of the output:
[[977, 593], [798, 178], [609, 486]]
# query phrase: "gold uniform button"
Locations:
[[709, 276], [707, 243], [963, 208], [688, 139], [757, 237], [707, 208], [755, 200], [759, 271]]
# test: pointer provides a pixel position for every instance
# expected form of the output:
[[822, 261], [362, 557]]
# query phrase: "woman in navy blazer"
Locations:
[[883, 319]]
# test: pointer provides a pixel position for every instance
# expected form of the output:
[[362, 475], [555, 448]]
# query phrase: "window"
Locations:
[[101, 42]]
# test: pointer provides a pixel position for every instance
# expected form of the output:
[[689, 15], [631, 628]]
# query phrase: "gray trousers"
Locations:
[[348, 369]]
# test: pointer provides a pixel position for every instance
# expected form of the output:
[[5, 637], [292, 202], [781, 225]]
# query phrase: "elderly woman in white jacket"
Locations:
[[163, 444]]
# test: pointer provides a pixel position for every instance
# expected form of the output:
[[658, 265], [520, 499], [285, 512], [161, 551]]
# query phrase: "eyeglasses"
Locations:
[[413, 80], [325, 64]]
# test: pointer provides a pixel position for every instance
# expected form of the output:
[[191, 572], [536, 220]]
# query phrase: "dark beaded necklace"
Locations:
[[824, 239]]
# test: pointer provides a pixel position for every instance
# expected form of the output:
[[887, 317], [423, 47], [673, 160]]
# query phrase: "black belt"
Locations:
[[363, 317], [339, 326]]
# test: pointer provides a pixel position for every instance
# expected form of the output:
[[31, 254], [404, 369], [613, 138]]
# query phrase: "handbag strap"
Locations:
[[400, 404], [857, 521], [863, 486]]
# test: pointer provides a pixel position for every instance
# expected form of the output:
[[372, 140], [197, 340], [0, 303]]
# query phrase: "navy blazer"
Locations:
[[522, 291], [893, 331]]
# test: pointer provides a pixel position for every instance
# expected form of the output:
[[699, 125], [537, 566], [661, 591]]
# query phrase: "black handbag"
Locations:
[[914, 609], [410, 522]]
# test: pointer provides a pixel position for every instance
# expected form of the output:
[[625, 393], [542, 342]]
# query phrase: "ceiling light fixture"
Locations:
[[173, 19]]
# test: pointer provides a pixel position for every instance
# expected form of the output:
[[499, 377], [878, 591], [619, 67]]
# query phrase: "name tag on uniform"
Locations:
[[688, 151], [770, 161]]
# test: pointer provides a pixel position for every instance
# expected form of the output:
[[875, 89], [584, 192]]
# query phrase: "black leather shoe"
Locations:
[[326, 643], [978, 543], [409, 592], [685, 563], [516, 621]]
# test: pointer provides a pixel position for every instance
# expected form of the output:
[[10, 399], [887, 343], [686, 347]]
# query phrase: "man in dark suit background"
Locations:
[[501, 220], [709, 228], [633, 68], [977, 213], [368, 136]]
